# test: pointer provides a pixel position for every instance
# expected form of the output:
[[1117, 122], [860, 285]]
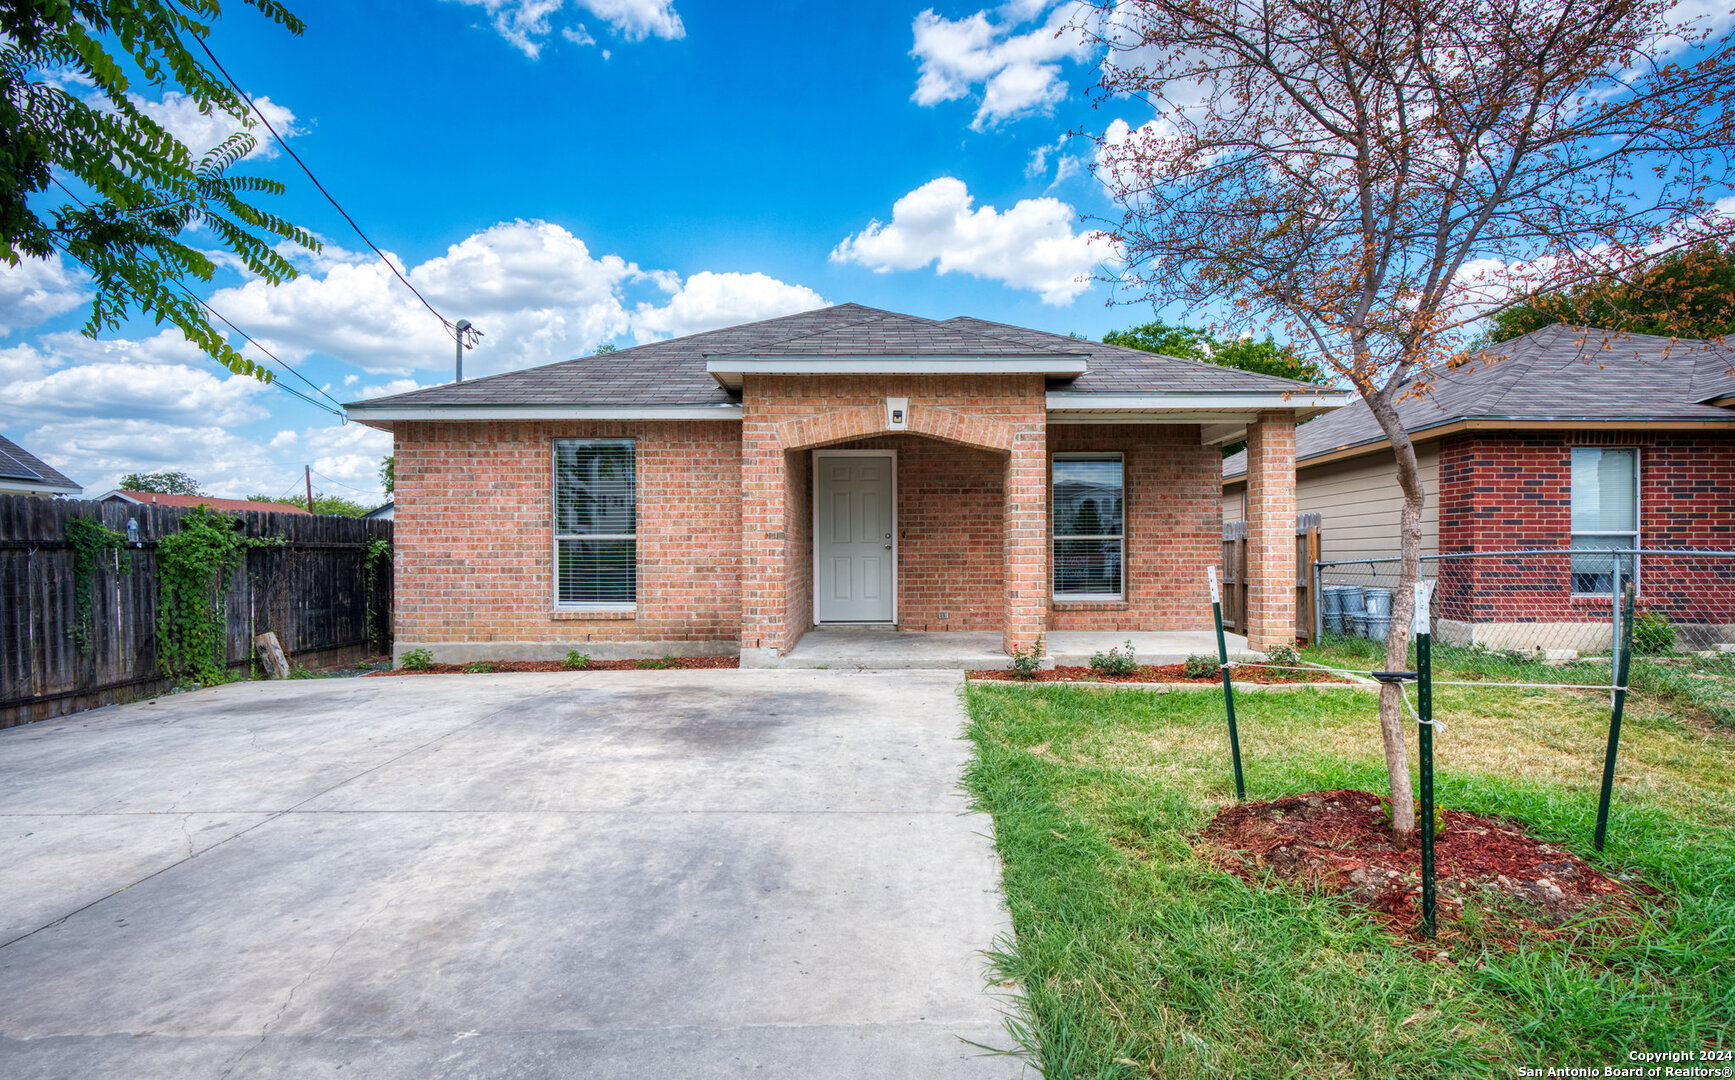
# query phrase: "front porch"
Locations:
[[877, 648]]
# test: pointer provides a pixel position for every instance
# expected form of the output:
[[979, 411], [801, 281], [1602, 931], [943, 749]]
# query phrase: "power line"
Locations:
[[352, 487], [197, 299], [279, 384], [445, 322]]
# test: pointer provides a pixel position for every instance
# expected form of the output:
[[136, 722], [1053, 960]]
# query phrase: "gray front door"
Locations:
[[853, 547]]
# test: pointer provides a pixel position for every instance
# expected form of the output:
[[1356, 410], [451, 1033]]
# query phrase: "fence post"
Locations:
[[1228, 687], [1615, 596], [1318, 604], [1620, 671], [1420, 627]]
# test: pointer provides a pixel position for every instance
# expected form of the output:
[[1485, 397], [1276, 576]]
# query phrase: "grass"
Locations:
[[1137, 958]]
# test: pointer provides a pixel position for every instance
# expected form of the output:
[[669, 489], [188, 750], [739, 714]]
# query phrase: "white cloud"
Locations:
[[535, 291], [1031, 246], [130, 379], [527, 24], [36, 290], [97, 452], [532, 288], [709, 300], [180, 116], [1018, 73]]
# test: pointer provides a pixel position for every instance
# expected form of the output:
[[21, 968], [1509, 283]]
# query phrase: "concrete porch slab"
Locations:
[[845, 648], [873, 648], [1074, 648]]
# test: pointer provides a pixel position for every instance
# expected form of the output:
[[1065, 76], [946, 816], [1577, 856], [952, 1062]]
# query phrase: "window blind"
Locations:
[[1605, 514], [1089, 526], [595, 522]]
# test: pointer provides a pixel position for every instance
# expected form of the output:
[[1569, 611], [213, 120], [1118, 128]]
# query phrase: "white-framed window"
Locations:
[[1089, 527], [1605, 514], [595, 523]]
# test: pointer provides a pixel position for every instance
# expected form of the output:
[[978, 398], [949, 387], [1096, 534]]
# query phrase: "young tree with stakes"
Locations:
[[1378, 177]]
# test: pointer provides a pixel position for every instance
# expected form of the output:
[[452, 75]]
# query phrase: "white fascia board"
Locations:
[[369, 414], [729, 372], [1073, 402], [1148, 416], [10, 486]]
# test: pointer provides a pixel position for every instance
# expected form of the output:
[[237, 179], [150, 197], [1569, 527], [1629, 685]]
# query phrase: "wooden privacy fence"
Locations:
[[1235, 574], [316, 591]]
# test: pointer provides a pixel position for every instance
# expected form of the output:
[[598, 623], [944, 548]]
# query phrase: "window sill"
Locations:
[[565, 614], [1107, 603]]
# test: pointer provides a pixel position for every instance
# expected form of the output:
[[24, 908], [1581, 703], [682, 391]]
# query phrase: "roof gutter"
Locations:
[[382, 416]]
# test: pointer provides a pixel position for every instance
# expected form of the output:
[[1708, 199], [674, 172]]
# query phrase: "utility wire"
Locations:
[[352, 487], [445, 322], [197, 299]]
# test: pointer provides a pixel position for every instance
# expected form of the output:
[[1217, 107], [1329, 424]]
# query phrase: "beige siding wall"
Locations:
[[1359, 501]]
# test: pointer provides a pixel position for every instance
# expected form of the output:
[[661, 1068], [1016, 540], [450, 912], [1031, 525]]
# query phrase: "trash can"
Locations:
[[1331, 600]]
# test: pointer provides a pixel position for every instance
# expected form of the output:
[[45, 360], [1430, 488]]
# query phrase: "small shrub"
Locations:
[[1653, 633], [575, 660], [1283, 656], [1026, 662], [1115, 662], [418, 660], [480, 667], [1199, 667]]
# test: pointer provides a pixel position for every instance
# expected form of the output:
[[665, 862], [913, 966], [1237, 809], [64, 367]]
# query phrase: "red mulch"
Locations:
[[1163, 673], [1338, 842], [594, 665]]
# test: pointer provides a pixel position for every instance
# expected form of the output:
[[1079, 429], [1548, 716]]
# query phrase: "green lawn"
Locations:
[[1138, 959]]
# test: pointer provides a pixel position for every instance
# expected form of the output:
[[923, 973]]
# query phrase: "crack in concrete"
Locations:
[[289, 998]]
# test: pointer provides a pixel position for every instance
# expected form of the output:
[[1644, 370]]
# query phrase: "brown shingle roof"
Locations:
[[672, 373], [1558, 373]]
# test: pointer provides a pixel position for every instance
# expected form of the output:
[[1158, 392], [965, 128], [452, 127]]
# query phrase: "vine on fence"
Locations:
[[378, 557], [90, 541], [193, 569]]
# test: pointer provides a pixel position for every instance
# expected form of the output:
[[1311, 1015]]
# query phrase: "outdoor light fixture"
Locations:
[[898, 413]]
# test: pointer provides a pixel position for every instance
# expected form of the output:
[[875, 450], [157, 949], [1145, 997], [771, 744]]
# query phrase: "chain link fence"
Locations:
[[1553, 617]]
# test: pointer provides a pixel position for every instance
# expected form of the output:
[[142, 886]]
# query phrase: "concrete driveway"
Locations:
[[602, 874]]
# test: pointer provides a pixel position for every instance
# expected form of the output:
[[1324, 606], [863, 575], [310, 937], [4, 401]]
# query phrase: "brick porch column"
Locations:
[[1271, 530], [1026, 550], [764, 573]]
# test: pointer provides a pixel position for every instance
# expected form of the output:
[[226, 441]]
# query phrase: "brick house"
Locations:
[[728, 491], [1565, 438]]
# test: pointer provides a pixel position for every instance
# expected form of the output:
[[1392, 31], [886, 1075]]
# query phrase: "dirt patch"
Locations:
[[1338, 842], [494, 666], [1159, 673]]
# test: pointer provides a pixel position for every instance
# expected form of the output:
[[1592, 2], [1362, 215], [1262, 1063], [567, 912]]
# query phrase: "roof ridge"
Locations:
[[879, 315]]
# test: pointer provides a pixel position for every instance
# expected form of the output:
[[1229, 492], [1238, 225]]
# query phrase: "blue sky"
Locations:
[[569, 174]]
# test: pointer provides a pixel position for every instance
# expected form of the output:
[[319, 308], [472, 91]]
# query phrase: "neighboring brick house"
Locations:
[[1563, 438], [727, 491]]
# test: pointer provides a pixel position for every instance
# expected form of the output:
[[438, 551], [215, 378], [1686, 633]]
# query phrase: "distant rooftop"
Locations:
[[20, 470], [1559, 374]]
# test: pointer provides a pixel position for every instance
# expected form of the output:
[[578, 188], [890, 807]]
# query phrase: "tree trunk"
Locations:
[[1393, 721]]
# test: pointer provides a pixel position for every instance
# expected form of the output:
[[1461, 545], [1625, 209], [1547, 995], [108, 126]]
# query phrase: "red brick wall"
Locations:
[[797, 412], [1174, 526], [951, 507], [1513, 490], [474, 559]]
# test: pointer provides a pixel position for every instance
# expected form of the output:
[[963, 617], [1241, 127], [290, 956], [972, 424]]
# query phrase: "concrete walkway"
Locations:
[[605, 874]]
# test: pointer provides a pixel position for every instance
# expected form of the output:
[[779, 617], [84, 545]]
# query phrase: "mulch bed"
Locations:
[[1338, 842], [594, 665], [1161, 673]]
